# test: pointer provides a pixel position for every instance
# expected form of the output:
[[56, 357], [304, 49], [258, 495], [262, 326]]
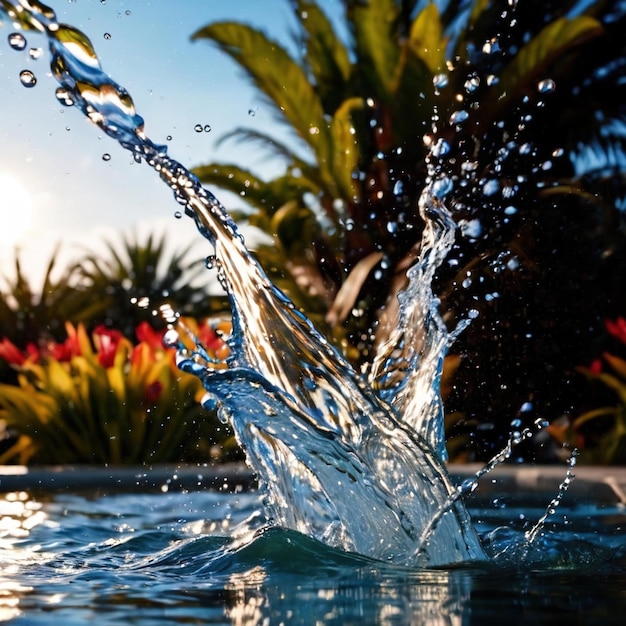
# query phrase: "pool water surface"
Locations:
[[205, 557]]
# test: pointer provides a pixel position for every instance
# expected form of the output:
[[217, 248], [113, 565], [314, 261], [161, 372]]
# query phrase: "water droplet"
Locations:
[[251, 112], [510, 210], [127, 12], [442, 187], [491, 187], [171, 338], [17, 41], [491, 46], [207, 128], [471, 84], [178, 215], [198, 128], [470, 228], [458, 117], [35, 53], [27, 78], [441, 147], [169, 138], [106, 156], [440, 81], [546, 86], [107, 36], [513, 264], [64, 97]]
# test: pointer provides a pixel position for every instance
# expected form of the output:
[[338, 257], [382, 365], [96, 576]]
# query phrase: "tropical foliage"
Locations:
[[138, 280], [516, 112], [28, 311], [103, 399], [134, 281], [600, 432], [84, 376]]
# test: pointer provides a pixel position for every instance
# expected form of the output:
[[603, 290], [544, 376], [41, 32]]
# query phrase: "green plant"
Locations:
[[600, 433], [103, 399], [29, 313], [136, 280], [515, 108]]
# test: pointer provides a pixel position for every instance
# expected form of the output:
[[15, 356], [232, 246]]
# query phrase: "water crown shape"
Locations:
[[359, 469]]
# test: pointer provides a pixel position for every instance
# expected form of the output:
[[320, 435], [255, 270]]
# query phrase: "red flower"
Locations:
[[207, 336], [11, 353], [33, 353], [65, 351], [213, 343], [146, 334], [617, 328], [107, 340], [596, 366], [152, 393]]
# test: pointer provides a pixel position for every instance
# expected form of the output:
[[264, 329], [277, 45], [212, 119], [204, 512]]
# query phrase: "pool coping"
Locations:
[[597, 484]]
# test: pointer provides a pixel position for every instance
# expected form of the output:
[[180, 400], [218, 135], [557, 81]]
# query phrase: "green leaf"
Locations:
[[277, 76], [347, 153], [268, 197], [535, 59], [281, 150], [478, 8], [427, 39], [326, 57], [374, 25], [295, 226]]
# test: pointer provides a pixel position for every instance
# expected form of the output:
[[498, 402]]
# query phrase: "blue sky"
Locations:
[[56, 157]]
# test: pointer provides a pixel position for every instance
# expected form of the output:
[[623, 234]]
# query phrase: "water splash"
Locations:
[[359, 469]]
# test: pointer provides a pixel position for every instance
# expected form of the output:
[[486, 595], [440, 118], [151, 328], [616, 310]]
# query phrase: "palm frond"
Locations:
[[374, 29], [326, 57], [274, 147], [275, 74], [347, 151], [536, 59], [427, 40], [265, 196]]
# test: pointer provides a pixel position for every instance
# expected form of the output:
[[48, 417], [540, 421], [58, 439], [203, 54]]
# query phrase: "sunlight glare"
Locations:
[[16, 211]]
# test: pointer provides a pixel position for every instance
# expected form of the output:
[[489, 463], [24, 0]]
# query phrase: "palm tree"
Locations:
[[345, 115], [138, 280], [27, 312], [504, 106]]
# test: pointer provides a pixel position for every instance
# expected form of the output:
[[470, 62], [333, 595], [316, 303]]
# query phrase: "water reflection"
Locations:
[[19, 515], [166, 559], [438, 598]]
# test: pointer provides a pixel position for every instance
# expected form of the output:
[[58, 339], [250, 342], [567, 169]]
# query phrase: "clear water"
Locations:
[[355, 469], [185, 558], [356, 515]]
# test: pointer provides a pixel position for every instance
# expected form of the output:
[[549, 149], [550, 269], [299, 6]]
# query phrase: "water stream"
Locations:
[[357, 469], [351, 466]]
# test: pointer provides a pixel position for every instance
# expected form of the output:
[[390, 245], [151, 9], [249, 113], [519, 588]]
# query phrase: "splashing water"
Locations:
[[359, 469]]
